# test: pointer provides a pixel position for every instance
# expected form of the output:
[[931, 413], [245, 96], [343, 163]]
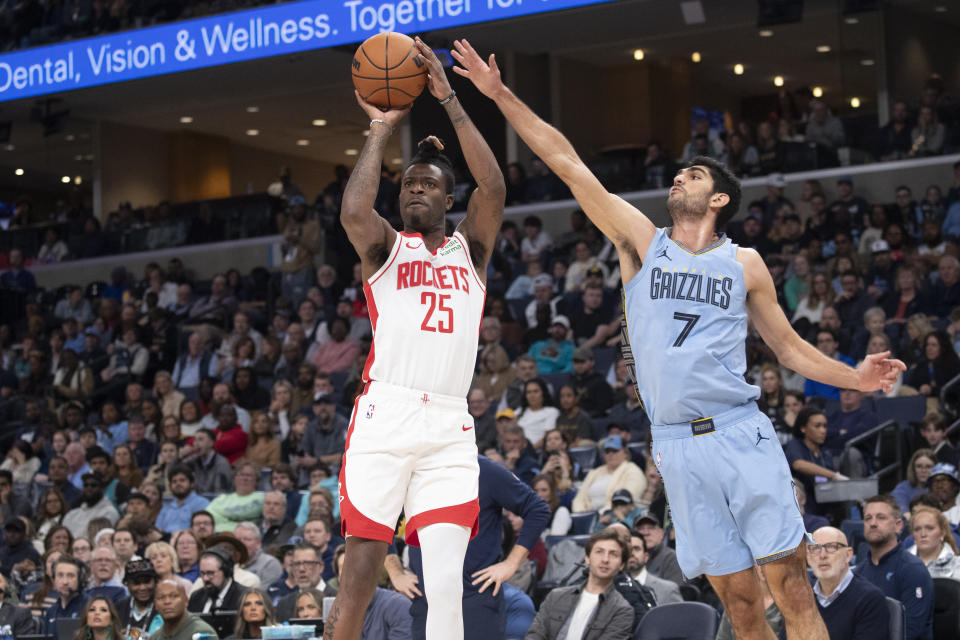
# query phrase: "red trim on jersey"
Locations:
[[465, 515], [352, 522], [473, 269], [415, 234], [396, 251], [374, 314]]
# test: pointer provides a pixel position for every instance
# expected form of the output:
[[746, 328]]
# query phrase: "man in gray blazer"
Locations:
[[665, 590]]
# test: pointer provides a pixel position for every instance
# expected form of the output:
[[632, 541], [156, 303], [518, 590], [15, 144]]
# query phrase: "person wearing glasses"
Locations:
[[850, 605], [307, 574]]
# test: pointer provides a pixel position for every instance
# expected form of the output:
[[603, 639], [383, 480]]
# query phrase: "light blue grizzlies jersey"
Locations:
[[687, 322]]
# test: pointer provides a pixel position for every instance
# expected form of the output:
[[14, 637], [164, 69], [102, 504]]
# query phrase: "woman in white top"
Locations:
[[820, 295], [21, 463], [560, 520], [537, 413], [934, 543]]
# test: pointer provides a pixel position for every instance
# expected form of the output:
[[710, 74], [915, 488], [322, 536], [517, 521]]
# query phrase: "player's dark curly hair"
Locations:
[[724, 181], [429, 152]]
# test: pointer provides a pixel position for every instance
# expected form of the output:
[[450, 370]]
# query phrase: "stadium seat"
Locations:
[[518, 309], [581, 540], [904, 409], [555, 381], [679, 621], [897, 630], [690, 592], [604, 357], [583, 523], [586, 457], [853, 529], [946, 609]]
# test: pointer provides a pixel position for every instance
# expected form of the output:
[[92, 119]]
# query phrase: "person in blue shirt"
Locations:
[[809, 462], [896, 572], [849, 420], [554, 354], [484, 569], [16, 277], [69, 574], [175, 515], [829, 345]]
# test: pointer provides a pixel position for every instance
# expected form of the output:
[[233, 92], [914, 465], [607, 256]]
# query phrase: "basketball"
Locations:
[[387, 71]]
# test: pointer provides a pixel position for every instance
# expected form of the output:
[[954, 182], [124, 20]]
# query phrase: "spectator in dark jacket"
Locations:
[[595, 395], [15, 621]]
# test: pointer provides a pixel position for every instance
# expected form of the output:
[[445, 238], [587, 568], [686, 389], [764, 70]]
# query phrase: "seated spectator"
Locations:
[[178, 622], [211, 470], [703, 141], [593, 392], [945, 291], [16, 547], [623, 510], [824, 128], [137, 611], [938, 366], [933, 434], [387, 615], [665, 591], [849, 420], [216, 307], [809, 462], [555, 353], [482, 411], [175, 514], [811, 521], [828, 345], [15, 618], [128, 361], [583, 262], [945, 486], [326, 438], [104, 571], [70, 597], [244, 504], [560, 520], [223, 396], [661, 559], [934, 543], [16, 277], [573, 423], [275, 526], [95, 504], [165, 562], [220, 592], [618, 472], [256, 611], [196, 364], [927, 137], [893, 570], [261, 564], [544, 307], [537, 414], [263, 449], [340, 352], [318, 531], [851, 607], [308, 576], [144, 451], [59, 480], [230, 441], [524, 285], [894, 140], [74, 306], [513, 396], [73, 379], [169, 398], [575, 609], [918, 473], [593, 321], [121, 475]]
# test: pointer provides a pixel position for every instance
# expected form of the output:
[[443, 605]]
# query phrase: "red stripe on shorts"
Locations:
[[465, 515]]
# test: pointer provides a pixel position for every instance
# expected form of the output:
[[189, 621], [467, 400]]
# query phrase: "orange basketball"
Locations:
[[387, 70]]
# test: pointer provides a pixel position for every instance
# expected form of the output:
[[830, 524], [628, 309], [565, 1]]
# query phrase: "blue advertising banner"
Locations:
[[239, 36]]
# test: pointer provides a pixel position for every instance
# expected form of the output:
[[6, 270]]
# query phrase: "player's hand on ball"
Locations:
[[437, 81], [879, 371], [485, 75], [392, 116]]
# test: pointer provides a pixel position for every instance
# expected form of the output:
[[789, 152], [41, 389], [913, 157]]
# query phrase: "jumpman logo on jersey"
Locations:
[[663, 254], [760, 437]]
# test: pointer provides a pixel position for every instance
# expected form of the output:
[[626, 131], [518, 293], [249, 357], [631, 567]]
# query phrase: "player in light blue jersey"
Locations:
[[689, 294]]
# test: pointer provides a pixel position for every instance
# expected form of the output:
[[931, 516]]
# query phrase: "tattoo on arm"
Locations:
[[329, 628]]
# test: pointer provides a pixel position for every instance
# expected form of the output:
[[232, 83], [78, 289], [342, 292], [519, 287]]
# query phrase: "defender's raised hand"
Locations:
[[485, 75]]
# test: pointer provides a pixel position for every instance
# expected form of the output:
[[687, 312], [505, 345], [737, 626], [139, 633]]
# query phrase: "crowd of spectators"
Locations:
[[172, 445]]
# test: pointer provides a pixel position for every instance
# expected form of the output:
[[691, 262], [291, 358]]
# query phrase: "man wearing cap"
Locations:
[[774, 199], [622, 510], [175, 514], [854, 207], [326, 437], [554, 354], [593, 391], [178, 623], [95, 504], [261, 564], [16, 547], [880, 278], [596, 492], [219, 591], [137, 611], [661, 559], [544, 304], [891, 568], [944, 483]]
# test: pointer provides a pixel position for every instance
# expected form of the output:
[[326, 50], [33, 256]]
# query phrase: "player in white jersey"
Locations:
[[411, 443]]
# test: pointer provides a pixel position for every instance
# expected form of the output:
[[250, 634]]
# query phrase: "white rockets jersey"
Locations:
[[425, 309]]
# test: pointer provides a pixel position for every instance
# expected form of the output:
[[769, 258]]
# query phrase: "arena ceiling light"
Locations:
[[186, 119], [817, 92], [778, 81], [867, 62], [852, 20], [78, 181], [738, 69], [65, 179], [10, 147], [253, 109], [940, 8], [253, 132], [766, 33], [695, 56], [302, 143], [855, 102], [638, 54], [351, 152], [823, 48], [18, 172], [319, 122]]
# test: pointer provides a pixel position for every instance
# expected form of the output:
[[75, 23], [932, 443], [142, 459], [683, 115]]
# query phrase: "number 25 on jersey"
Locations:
[[436, 304]]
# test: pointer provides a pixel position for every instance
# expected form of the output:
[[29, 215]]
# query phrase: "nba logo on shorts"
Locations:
[[370, 411]]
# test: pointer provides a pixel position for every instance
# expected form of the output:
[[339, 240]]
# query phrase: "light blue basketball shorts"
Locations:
[[730, 491]]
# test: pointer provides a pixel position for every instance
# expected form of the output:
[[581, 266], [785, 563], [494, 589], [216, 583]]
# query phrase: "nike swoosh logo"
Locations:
[[465, 428], [415, 246]]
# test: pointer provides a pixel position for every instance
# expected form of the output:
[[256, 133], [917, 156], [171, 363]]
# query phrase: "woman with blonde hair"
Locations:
[[262, 449], [283, 406], [166, 563], [496, 374], [820, 294], [934, 543], [167, 396]]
